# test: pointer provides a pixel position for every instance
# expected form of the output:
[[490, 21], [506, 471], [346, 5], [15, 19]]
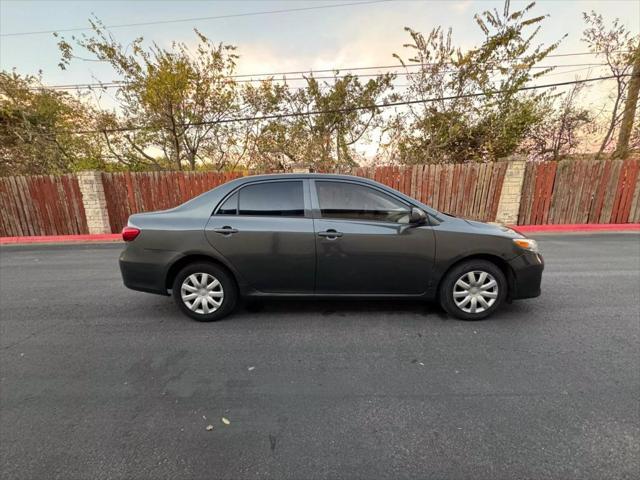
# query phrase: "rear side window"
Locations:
[[357, 202], [275, 199], [230, 206]]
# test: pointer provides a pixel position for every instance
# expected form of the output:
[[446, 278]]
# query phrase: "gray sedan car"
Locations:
[[323, 236]]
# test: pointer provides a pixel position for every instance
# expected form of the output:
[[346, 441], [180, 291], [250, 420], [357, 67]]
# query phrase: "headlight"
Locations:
[[526, 244]]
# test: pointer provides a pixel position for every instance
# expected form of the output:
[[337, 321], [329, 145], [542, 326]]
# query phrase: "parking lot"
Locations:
[[98, 381]]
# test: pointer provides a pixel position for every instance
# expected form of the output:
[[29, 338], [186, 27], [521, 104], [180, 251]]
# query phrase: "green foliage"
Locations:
[[617, 46], [172, 98], [461, 125], [564, 124], [35, 129], [180, 100], [342, 114], [181, 107]]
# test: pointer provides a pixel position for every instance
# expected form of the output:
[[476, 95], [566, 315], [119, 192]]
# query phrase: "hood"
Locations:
[[494, 228], [483, 227]]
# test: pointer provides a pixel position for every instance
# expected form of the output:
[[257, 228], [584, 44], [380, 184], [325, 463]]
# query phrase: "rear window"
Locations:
[[275, 199]]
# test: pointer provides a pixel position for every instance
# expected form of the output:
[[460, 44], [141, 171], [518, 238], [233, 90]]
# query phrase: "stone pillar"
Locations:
[[94, 201], [509, 204]]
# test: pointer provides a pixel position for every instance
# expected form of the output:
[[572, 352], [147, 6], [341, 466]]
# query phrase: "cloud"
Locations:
[[462, 6], [367, 39]]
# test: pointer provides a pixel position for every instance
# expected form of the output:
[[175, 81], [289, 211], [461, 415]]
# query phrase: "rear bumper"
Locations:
[[145, 272], [527, 275]]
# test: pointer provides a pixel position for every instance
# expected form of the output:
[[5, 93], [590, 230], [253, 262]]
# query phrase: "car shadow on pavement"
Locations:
[[341, 307], [349, 307], [255, 309]]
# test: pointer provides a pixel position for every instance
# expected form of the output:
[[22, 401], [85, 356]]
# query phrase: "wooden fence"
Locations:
[[128, 193], [469, 190], [584, 191], [41, 205], [581, 192]]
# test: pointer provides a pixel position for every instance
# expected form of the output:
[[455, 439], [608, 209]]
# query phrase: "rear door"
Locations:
[[265, 230], [365, 244]]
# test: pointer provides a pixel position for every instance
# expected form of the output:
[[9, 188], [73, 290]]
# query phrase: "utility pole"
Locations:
[[622, 148]]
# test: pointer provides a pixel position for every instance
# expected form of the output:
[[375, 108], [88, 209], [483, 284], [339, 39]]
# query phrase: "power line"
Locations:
[[244, 78], [378, 67], [295, 72], [570, 71], [198, 19], [352, 109]]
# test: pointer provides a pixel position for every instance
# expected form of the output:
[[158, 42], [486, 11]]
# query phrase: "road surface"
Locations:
[[99, 382]]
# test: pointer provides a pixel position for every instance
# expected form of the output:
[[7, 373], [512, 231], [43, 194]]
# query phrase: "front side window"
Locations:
[[357, 202], [275, 199]]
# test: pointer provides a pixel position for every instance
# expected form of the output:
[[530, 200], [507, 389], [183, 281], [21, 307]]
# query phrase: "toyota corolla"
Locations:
[[320, 235]]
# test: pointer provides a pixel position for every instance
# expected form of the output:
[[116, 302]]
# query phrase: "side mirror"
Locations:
[[417, 216]]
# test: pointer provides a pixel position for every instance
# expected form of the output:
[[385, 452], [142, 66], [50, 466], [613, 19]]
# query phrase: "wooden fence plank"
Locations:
[[631, 174], [599, 196], [634, 213], [484, 189], [607, 208]]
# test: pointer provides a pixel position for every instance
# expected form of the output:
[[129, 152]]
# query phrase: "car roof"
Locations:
[[332, 176], [298, 176]]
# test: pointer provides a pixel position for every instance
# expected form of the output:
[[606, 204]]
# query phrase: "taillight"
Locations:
[[130, 233]]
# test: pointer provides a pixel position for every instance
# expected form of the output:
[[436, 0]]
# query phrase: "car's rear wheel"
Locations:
[[473, 290], [205, 292]]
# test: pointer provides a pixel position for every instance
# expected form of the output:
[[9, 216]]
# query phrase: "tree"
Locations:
[[558, 136], [479, 112], [630, 109], [37, 129], [172, 104], [617, 45], [319, 124]]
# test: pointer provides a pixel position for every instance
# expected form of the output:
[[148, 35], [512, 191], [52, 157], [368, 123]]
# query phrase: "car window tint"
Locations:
[[357, 202], [230, 206], [272, 199]]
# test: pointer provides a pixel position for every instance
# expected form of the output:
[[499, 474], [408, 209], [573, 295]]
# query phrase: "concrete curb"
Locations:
[[116, 237], [92, 238], [586, 227]]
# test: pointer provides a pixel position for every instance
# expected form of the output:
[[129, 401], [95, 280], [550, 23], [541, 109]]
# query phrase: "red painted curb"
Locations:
[[117, 237], [103, 237], [583, 227]]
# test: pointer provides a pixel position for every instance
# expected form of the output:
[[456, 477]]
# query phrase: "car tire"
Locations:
[[473, 290], [205, 292]]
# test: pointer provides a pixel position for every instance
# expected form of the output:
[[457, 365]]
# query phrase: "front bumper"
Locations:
[[527, 275]]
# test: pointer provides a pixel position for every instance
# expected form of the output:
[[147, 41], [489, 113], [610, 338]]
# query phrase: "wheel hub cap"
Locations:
[[475, 291], [202, 293]]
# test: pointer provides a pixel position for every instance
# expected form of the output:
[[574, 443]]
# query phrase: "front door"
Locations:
[[264, 230], [365, 244]]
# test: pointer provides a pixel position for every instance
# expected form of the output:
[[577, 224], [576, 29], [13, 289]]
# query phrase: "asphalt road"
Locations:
[[99, 382]]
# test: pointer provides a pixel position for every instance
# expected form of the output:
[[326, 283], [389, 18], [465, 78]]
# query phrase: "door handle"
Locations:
[[225, 230], [330, 234]]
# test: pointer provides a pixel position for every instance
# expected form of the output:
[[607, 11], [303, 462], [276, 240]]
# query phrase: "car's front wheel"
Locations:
[[205, 292], [473, 290]]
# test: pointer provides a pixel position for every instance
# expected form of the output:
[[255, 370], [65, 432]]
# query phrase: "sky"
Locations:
[[339, 37], [356, 35]]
